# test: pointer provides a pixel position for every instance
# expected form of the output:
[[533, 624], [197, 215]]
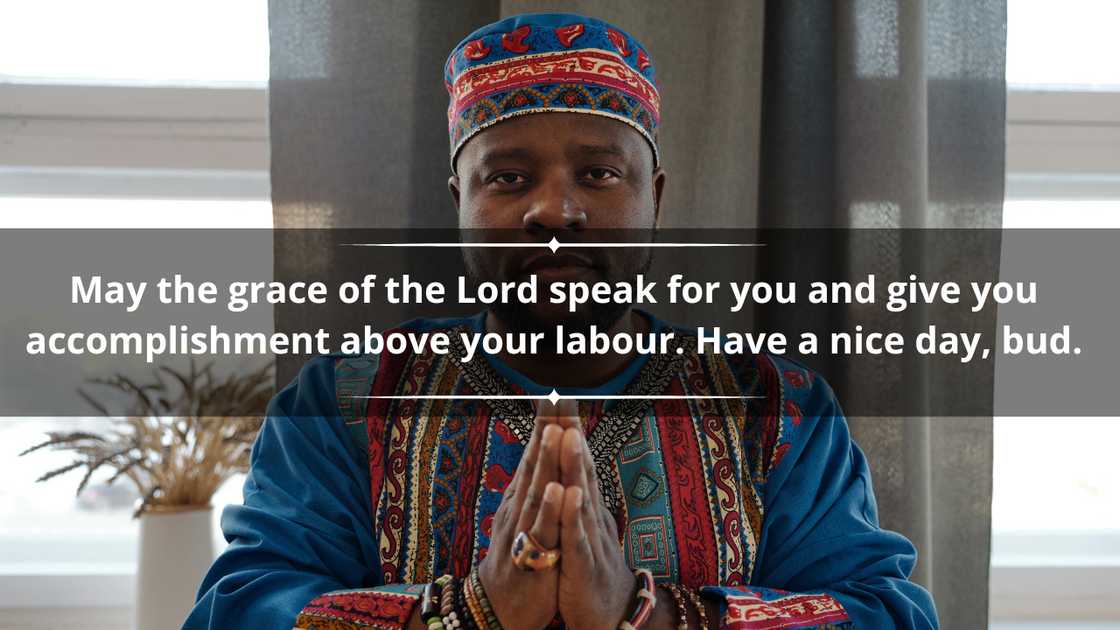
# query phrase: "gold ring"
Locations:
[[530, 555]]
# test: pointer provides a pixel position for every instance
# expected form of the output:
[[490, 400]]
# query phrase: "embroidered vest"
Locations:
[[681, 475]]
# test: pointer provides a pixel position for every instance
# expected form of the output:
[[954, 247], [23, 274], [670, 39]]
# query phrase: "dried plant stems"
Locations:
[[178, 444]]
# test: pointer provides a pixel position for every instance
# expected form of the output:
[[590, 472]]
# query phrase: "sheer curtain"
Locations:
[[795, 113], [891, 114]]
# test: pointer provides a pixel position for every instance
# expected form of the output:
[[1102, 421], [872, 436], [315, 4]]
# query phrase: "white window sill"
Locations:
[[1087, 593], [1055, 626], [94, 588], [103, 618]]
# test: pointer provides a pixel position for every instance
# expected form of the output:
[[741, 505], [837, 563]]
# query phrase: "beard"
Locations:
[[622, 265]]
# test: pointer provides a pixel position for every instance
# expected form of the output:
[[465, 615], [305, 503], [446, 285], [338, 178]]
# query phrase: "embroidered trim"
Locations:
[[345, 610], [589, 65], [485, 113], [751, 612]]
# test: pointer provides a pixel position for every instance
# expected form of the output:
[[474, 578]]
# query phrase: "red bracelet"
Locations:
[[647, 599]]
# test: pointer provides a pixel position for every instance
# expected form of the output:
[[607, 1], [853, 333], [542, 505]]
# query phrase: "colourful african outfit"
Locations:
[[355, 501], [353, 504]]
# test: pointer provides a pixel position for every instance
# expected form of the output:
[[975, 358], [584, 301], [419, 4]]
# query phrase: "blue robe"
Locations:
[[351, 504]]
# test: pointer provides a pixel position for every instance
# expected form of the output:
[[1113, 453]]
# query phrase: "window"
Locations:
[[1056, 518], [50, 531], [130, 123], [204, 42], [1066, 45]]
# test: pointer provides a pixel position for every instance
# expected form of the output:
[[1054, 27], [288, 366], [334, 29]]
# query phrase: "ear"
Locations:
[[658, 188], [453, 186]]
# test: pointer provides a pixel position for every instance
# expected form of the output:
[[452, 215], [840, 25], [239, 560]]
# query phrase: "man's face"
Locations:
[[564, 175]]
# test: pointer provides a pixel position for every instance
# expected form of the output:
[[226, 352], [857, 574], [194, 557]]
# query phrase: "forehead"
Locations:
[[557, 135]]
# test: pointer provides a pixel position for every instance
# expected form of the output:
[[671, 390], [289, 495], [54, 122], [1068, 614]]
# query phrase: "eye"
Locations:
[[507, 178], [600, 174]]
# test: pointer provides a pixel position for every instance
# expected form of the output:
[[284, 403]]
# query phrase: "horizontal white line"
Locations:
[[549, 246], [560, 396]]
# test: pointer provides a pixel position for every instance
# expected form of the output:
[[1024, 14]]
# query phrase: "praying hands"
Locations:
[[554, 546]]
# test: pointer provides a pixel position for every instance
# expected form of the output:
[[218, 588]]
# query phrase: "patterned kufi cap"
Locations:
[[549, 62]]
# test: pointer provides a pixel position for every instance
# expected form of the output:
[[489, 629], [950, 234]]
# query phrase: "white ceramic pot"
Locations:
[[176, 549]]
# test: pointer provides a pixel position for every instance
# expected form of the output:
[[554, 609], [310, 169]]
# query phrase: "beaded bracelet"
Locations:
[[430, 603], [463, 608], [490, 618], [647, 599], [678, 601], [698, 603], [474, 608], [447, 606]]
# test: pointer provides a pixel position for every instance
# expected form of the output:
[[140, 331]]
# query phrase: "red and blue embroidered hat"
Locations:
[[549, 62]]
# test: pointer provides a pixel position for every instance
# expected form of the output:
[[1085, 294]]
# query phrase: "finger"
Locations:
[[519, 486], [574, 475], [572, 470], [509, 511], [546, 470], [532, 448], [576, 553], [546, 528], [565, 412]]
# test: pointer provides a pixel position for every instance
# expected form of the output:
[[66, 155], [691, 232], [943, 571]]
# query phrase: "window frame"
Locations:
[[1069, 136], [111, 127], [1061, 145], [121, 141]]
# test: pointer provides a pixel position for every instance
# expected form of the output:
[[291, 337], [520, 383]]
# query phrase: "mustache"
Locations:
[[577, 249], [565, 258]]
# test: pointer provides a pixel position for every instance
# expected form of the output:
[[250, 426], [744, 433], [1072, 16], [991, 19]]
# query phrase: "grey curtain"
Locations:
[[891, 114], [798, 113], [358, 106]]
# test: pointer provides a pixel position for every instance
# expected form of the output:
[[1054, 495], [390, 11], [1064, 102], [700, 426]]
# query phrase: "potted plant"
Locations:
[[184, 435]]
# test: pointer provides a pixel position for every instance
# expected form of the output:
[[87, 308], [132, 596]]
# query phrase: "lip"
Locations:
[[554, 267], [554, 261]]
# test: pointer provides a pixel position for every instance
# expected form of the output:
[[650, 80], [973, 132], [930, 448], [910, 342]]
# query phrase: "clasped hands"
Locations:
[[554, 496]]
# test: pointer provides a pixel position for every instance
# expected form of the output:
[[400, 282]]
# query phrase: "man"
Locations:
[[409, 491]]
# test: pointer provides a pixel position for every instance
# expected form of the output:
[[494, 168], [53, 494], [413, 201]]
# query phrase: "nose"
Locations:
[[555, 207]]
